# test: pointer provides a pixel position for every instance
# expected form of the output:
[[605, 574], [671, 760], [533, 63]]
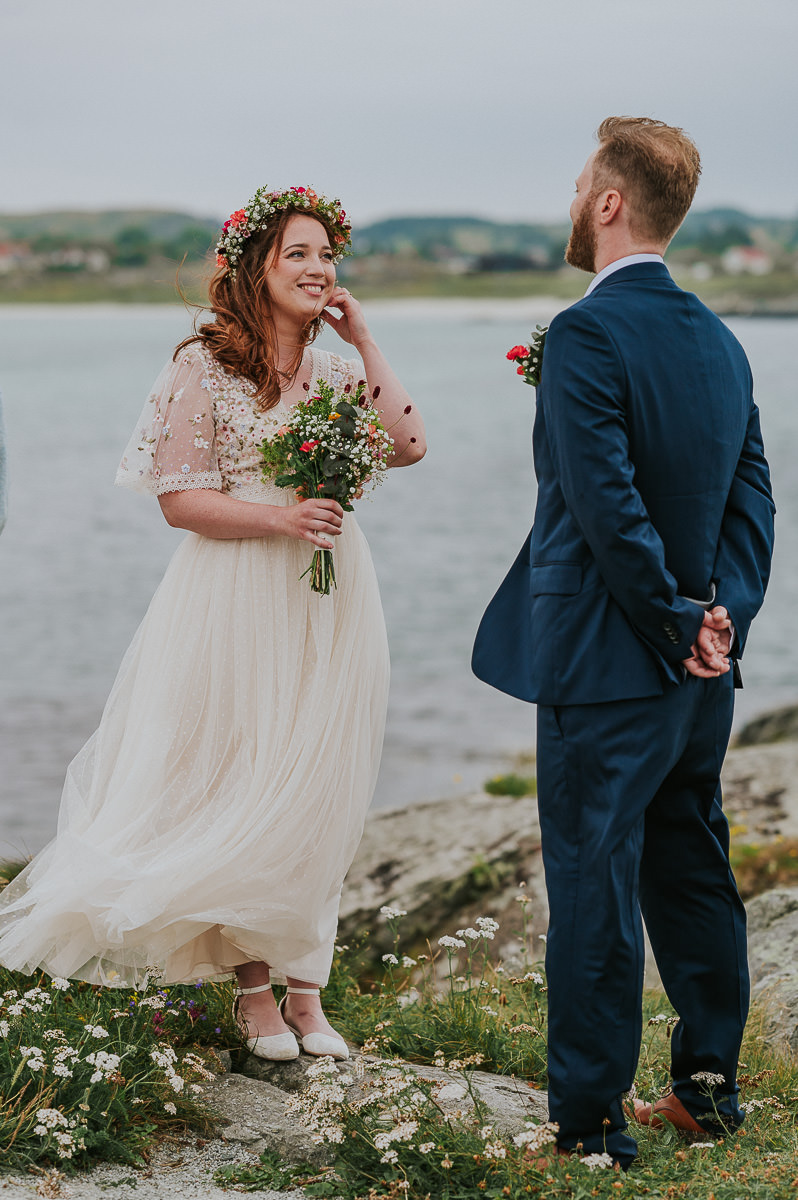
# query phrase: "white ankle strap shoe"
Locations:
[[278, 1047], [320, 1045]]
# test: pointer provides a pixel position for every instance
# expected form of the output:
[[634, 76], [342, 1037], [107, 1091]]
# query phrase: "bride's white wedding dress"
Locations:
[[213, 815]]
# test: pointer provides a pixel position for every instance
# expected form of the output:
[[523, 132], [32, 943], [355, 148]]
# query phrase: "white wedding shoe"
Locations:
[[320, 1045], [277, 1046]]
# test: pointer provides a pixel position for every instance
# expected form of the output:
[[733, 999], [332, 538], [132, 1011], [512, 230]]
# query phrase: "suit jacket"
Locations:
[[652, 486]]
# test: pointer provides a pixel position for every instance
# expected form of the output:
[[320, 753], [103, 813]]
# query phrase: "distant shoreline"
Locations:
[[494, 308]]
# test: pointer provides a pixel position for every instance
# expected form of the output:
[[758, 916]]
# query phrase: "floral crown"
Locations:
[[264, 205]]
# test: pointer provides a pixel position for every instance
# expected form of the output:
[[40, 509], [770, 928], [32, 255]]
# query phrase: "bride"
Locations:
[[207, 826]]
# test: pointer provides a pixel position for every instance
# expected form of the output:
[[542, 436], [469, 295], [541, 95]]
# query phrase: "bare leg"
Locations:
[[305, 1012], [259, 1012]]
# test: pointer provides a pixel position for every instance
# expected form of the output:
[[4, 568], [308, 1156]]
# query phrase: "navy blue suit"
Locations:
[[652, 488]]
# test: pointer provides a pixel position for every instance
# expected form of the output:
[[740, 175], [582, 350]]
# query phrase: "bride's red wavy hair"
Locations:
[[242, 336]]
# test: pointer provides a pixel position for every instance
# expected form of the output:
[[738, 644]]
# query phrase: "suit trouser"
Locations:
[[631, 820]]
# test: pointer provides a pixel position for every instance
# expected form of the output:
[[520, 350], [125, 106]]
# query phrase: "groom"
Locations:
[[621, 617]]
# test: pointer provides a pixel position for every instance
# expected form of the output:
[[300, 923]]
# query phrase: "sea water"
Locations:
[[80, 559]]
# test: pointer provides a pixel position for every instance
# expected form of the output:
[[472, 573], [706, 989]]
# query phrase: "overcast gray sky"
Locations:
[[397, 106]]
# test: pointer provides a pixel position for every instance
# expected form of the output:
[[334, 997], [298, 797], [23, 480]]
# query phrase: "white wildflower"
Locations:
[[451, 943], [65, 1142], [487, 926], [390, 1156], [105, 1065], [391, 960], [60, 985], [701, 1145], [538, 1136], [392, 914], [165, 1057], [471, 934], [170, 1108], [96, 1031], [400, 1133], [709, 1078], [50, 1118], [407, 961], [5, 1028], [533, 977], [425, 1147], [34, 1057], [659, 1019], [153, 1002], [495, 1150], [596, 1162], [486, 1008]]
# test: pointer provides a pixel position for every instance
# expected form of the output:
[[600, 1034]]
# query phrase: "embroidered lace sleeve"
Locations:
[[345, 370], [173, 447]]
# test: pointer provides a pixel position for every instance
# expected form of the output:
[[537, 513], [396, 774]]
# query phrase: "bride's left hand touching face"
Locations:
[[351, 324]]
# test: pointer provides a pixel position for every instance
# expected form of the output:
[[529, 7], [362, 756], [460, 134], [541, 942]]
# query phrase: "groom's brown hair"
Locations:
[[655, 166]]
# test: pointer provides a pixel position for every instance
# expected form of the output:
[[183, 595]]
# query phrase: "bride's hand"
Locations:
[[351, 325], [313, 521]]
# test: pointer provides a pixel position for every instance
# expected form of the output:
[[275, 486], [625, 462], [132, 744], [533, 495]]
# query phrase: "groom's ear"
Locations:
[[611, 203]]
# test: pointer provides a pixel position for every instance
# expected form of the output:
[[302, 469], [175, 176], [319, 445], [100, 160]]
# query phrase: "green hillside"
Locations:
[[103, 226]]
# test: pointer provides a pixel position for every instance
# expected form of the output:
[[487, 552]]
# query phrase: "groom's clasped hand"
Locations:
[[712, 645]]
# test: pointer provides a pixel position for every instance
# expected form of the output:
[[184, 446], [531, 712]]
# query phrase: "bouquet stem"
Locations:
[[322, 572]]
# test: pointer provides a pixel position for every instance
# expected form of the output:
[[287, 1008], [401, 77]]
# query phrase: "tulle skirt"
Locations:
[[212, 817]]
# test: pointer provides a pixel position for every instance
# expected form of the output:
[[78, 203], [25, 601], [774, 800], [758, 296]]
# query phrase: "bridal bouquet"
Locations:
[[529, 359], [332, 445]]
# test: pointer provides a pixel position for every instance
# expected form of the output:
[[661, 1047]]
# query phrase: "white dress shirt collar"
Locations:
[[628, 261]]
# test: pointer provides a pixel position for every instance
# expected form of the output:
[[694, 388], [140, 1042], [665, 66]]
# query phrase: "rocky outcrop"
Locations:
[[773, 959], [443, 864], [509, 1100], [778, 725]]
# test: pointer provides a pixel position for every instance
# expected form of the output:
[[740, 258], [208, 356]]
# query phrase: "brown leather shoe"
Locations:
[[668, 1108]]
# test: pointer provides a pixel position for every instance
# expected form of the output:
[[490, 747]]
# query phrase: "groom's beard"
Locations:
[[581, 249]]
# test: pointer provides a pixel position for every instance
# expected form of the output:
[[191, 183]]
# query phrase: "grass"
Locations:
[[91, 1073], [759, 868], [392, 1138], [511, 785]]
